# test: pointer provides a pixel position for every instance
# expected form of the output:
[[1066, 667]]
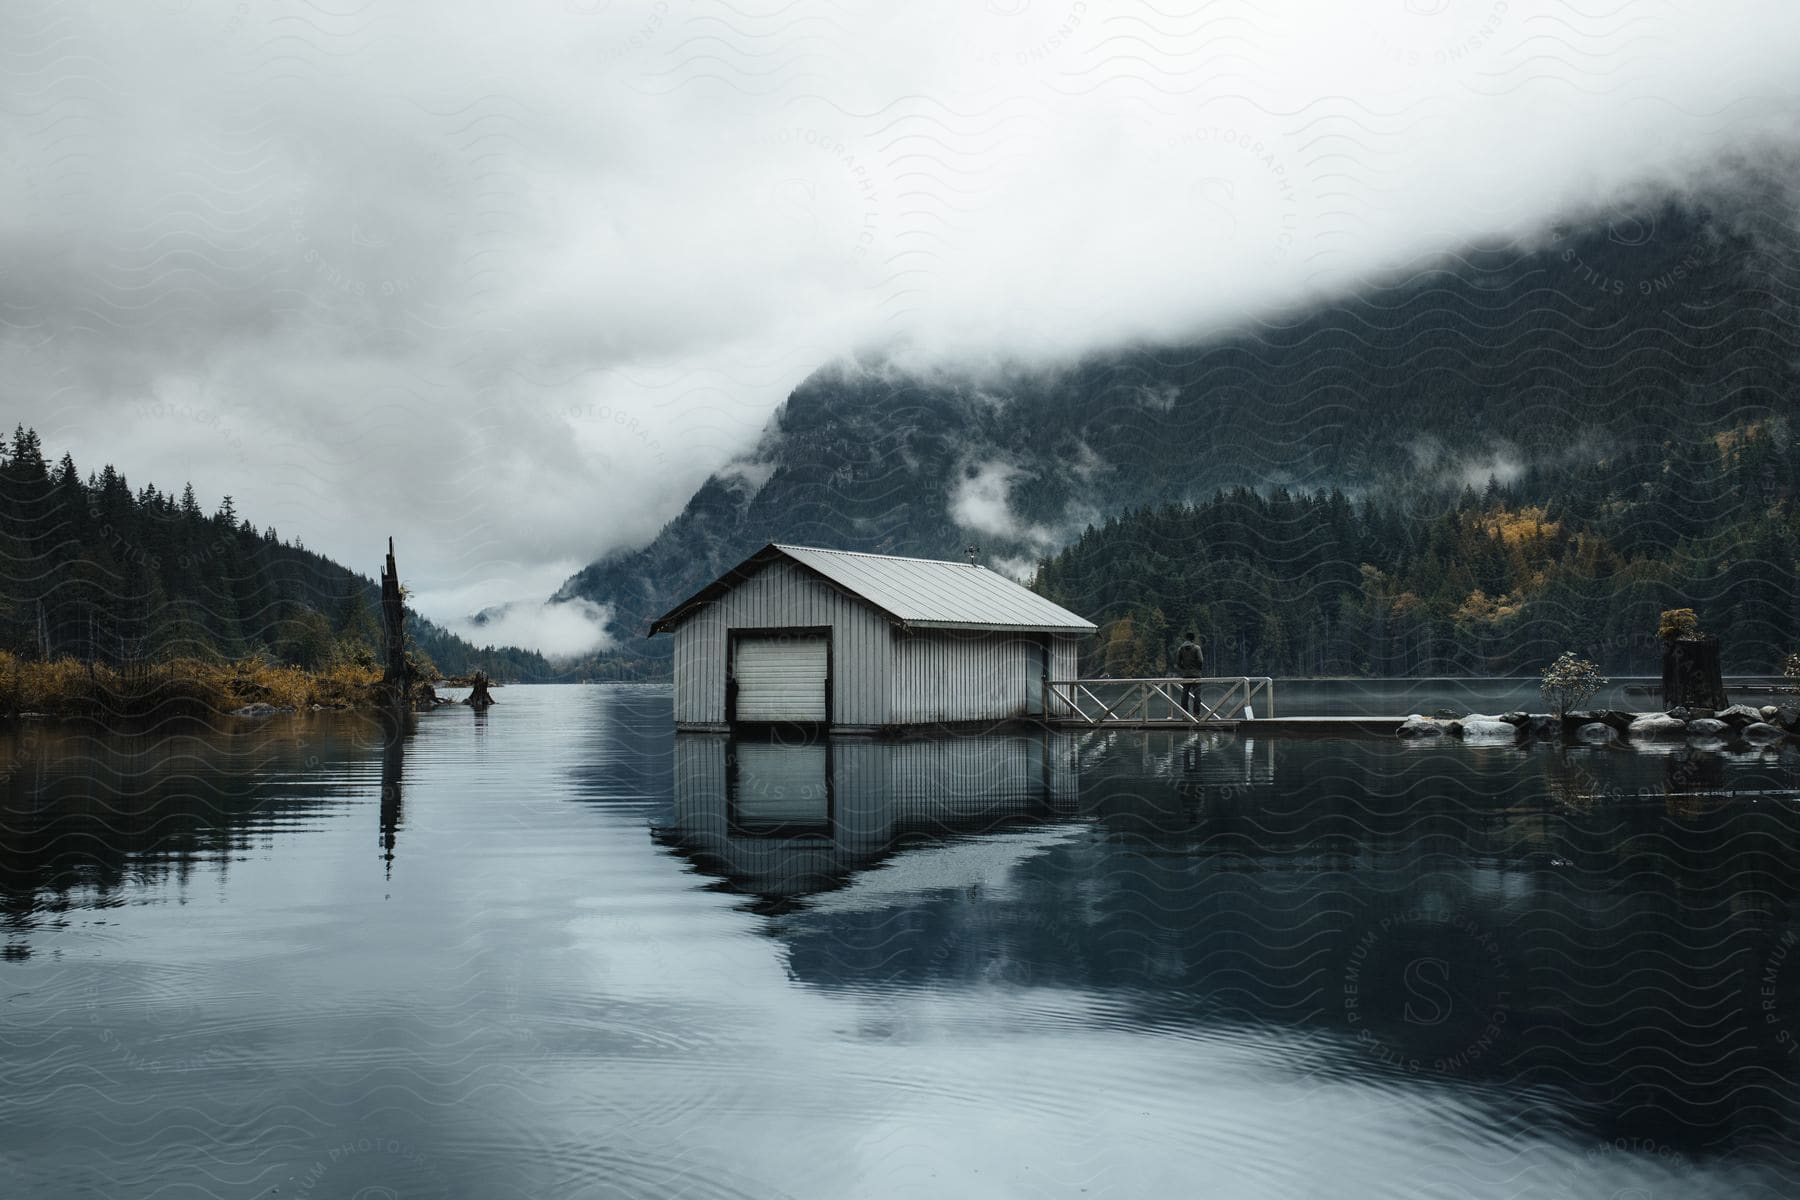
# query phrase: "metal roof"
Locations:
[[935, 594], [920, 593]]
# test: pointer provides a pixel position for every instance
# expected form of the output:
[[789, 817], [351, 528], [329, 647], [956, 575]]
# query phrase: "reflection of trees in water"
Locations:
[[84, 811], [1403, 898], [1687, 776]]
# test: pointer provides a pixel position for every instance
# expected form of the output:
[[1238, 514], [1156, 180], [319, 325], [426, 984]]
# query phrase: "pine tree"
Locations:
[[27, 455], [356, 624]]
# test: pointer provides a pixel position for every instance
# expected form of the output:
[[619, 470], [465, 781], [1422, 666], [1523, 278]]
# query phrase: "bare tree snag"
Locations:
[[397, 678]]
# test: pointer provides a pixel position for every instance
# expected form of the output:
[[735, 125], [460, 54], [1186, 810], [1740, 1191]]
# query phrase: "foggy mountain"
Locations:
[[1633, 327]]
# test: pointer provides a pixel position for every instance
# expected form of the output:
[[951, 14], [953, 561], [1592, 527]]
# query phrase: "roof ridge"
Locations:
[[942, 562]]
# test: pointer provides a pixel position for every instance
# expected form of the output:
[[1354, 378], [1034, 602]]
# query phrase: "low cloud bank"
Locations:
[[509, 289], [559, 630]]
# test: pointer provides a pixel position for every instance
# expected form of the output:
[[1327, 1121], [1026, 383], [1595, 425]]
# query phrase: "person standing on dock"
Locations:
[[1190, 661]]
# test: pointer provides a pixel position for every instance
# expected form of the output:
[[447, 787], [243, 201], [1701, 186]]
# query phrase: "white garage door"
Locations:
[[781, 679]]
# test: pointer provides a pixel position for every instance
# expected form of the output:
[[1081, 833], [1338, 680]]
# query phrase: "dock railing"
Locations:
[[1157, 701]]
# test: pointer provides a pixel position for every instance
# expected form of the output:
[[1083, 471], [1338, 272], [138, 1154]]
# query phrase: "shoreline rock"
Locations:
[[1739, 715], [1489, 728], [1739, 723], [1656, 727]]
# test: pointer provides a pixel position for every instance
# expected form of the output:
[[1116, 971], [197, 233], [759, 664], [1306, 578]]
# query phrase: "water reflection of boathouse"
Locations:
[[785, 819]]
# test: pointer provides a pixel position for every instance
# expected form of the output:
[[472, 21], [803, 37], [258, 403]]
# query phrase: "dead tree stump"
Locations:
[[1691, 674], [397, 676], [479, 697]]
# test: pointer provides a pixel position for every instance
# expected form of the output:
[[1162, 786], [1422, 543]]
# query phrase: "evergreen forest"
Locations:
[[92, 569], [1495, 581]]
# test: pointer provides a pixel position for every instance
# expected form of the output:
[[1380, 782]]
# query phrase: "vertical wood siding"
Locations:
[[780, 596], [950, 675], [1065, 663]]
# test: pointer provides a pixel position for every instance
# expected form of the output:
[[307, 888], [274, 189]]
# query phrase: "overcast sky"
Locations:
[[507, 281]]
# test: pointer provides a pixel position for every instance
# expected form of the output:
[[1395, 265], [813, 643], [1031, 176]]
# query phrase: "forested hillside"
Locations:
[[91, 569], [1578, 356], [1501, 582]]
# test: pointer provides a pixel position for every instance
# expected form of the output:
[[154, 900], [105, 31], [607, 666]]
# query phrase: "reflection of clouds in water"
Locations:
[[988, 864], [878, 1089], [1131, 993]]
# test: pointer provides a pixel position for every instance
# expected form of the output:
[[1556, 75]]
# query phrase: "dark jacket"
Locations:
[[1190, 660]]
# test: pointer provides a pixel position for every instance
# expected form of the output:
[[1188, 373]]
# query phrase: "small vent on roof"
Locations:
[[972, 551]]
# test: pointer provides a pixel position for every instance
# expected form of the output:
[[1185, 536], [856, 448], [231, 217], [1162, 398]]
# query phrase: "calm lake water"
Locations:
[[553, 950]]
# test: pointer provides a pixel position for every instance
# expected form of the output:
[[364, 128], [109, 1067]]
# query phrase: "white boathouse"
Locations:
[[864, 642]]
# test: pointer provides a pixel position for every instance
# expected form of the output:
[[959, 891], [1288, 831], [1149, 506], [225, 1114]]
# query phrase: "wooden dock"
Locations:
[[1223, 702], [1159, 702], [1244, 703]]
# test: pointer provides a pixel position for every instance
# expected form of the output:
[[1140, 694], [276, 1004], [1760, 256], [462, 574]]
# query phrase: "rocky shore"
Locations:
[[1598, 727]]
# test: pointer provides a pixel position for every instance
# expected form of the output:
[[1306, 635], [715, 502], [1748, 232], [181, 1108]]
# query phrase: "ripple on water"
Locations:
[[466, 959]]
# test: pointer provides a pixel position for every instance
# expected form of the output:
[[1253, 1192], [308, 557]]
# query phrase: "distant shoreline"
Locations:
[[70, 688]]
